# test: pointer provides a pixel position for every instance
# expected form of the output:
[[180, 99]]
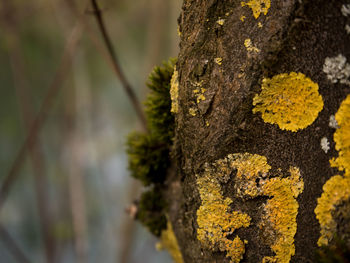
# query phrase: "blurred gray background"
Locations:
[[69, 197]]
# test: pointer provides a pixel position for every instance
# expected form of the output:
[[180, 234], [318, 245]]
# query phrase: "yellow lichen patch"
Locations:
[[174, 91], [281, 212], [260, 25], [242, 18], [192, 111], [296, 182], [335, 191], [290, 100], [215, 219], [249, 168], [258, 6], [218, 61], [221, 21], [249, 46], [249, 165], [178, 31], [200, 98], [342, 137], [168, 241], [199, 93]]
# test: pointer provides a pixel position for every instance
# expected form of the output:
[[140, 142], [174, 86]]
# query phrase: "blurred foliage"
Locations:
[[85, 131]]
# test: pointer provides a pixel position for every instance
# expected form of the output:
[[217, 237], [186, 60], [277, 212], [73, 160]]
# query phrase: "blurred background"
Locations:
[[64, 199]]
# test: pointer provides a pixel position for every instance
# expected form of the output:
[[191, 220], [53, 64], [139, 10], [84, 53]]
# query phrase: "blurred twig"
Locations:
[[26, 108], [155, 30], [128, 226], [51, 95], [73, 143], [77, 194], [12, 246], [117, 69]]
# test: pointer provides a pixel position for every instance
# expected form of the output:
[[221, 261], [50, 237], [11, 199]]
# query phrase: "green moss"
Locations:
[[158, 104], [151, 211], [149, 152], [148, 158]]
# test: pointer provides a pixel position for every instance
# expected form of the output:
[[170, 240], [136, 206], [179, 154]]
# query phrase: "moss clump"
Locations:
[[148, 158], [158, 104], [151, 211], [149, 152]]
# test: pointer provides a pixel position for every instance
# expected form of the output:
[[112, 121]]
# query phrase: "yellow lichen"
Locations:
[[249, 46], [249, 165], [249, 168], [281, 210], [221, 21], [218, 61], [335, 191], [215, 219], [200, 98], [192, 111], [174, 91], [242, 18], [168, 241], [260, 25], [290, 100], [178, 31], [342, 137], [199, 91], [281, 213], [258, 6]]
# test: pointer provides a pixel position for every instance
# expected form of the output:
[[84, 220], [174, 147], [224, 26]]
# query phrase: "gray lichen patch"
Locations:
[[345, 10], [337, 69], [325, 144], [333, 122]]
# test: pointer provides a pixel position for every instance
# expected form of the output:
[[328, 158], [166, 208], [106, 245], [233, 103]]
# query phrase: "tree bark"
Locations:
[[227, 49]]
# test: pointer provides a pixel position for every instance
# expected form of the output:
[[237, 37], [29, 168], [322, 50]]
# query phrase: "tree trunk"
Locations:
[[258, 81]]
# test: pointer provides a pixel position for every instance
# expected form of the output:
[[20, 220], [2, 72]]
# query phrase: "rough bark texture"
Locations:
[[294, 36]]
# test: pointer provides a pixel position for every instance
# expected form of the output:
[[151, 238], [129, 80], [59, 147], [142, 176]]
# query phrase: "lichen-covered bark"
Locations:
[[227, 49]]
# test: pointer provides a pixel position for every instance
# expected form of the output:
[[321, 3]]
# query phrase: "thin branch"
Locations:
[[31, 138], [77, 199], [76, 185], [128, 226], [12, 246], [117, 69]]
